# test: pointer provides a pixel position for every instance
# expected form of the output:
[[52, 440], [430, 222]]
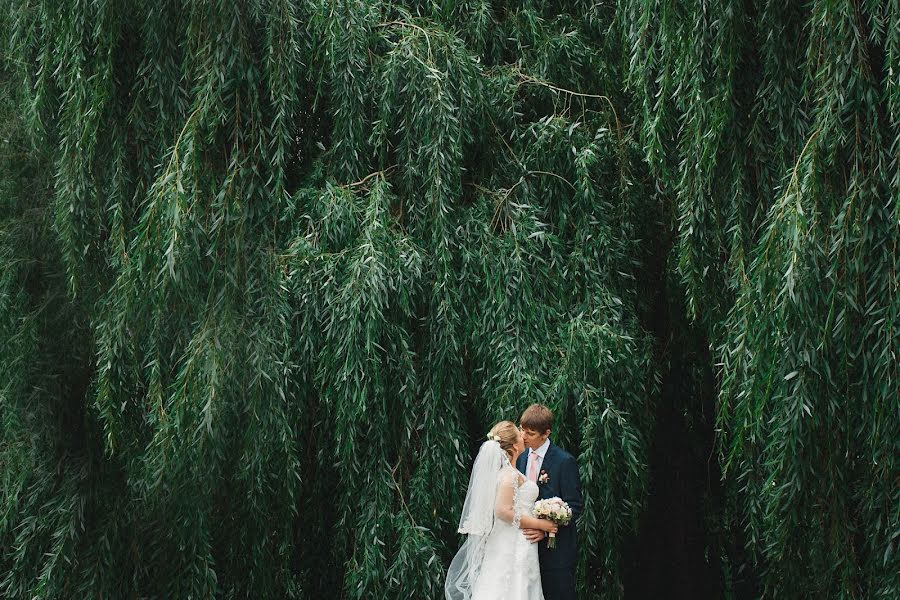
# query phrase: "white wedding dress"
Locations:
[[510, 570], [495, 562]]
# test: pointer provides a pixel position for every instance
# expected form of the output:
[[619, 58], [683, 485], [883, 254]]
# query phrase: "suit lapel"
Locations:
[[547, 463]]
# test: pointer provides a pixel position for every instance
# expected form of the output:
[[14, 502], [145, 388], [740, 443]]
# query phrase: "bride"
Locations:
[[496, 561]]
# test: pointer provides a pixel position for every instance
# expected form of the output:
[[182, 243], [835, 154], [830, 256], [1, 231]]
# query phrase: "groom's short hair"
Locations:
[[537, 417]]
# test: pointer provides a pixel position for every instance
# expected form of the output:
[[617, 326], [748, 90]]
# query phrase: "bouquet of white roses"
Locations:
[[553, 509]]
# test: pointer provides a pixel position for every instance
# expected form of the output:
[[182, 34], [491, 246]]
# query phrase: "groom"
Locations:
[[555, 472]]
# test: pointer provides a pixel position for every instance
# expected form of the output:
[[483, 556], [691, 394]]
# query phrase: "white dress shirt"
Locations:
[[539, 455], [542, 452]]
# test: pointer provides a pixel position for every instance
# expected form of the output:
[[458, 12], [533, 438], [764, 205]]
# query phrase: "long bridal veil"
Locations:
[[477, 520]]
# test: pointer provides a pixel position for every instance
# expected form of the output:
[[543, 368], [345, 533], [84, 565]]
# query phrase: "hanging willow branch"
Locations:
[[775, 128], [259, 318]]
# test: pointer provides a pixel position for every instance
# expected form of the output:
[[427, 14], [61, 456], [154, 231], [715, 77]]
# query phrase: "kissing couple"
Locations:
[[503, 556]]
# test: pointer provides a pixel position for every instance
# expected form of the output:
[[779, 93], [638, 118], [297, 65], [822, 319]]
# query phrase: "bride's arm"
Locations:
[[505, 509]]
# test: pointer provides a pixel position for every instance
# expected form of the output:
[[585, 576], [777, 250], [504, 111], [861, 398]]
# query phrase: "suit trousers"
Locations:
[[558, 584]]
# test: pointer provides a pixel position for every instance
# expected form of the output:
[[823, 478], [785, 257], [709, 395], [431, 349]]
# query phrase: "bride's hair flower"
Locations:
[[506, 434]]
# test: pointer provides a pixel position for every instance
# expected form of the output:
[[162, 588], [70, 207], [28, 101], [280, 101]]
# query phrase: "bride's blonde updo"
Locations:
[[506, 434]]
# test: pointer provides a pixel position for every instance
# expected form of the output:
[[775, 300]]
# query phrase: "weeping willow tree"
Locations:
[[775, 128], [270, 269]]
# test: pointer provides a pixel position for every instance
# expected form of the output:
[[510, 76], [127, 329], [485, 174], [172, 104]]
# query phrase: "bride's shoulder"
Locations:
[[512, 476]]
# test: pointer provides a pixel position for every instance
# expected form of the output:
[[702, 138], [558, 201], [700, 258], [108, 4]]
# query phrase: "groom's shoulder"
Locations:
[[562, 454]]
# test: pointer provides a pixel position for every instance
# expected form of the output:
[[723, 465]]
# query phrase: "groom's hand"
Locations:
[[533, 535]]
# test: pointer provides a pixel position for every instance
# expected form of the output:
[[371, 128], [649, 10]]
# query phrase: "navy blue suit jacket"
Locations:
[[564, 482]]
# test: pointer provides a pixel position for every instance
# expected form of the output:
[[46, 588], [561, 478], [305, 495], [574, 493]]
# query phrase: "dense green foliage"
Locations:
[[776, 128], [294, 259], [270, 269]]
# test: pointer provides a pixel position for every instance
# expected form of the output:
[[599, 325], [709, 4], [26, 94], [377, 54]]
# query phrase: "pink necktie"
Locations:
[[532, 466]]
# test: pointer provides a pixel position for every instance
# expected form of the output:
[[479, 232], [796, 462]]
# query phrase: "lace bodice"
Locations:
[[526, 497], [515, 497]]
